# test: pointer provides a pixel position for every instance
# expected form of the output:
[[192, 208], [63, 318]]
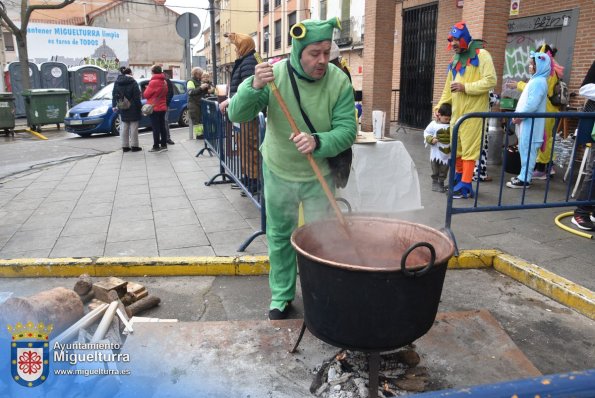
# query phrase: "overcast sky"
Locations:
[[198, 7]]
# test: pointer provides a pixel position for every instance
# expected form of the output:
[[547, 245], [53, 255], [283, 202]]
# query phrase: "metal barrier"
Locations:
[[240, 162], [552, 196], [580, 384]]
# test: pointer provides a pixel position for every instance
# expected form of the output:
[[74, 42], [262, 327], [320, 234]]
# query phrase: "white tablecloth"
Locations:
[[383, 179]]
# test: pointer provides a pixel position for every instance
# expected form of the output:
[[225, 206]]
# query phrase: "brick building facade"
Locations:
[[489, 20]]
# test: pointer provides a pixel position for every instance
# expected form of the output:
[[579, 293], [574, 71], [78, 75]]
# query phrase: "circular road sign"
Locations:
[[188, 26]]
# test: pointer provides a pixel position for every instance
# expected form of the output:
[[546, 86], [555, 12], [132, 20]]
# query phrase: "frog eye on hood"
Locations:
[[298, 31]]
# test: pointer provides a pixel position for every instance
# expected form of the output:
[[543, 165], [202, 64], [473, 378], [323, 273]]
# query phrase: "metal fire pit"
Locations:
[[372, 287]]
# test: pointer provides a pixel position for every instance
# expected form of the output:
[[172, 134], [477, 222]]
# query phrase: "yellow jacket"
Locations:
[[478, 81]]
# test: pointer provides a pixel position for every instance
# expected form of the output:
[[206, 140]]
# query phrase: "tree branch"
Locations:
[[4, 17], [34, 7]]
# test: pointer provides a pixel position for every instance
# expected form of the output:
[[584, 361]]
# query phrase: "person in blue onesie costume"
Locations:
[[532, 130]]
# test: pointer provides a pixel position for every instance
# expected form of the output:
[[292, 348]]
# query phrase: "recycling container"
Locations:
[[45, 106], [7, 111], [16, 84]]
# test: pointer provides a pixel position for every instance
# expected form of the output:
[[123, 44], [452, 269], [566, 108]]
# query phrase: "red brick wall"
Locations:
[[378, 59], [487, 20]]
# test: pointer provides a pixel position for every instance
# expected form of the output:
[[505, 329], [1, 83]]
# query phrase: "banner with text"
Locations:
[[77, 45]]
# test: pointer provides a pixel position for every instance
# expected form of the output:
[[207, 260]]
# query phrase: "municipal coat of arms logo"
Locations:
[[30, 353]]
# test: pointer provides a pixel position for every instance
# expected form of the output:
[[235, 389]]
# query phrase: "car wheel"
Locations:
[[184, 118], [115, 126]]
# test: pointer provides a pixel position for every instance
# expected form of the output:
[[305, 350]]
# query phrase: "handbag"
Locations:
[[147, 109], [340, 164], [123, 103]]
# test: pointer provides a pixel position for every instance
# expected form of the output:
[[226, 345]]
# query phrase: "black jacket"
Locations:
[[126, 86], [242, 69]]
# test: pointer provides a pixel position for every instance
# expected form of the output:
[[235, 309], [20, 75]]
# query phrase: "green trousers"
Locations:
[[282, 200]]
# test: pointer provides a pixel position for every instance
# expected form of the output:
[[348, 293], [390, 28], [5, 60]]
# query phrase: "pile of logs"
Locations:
[[112, 302]]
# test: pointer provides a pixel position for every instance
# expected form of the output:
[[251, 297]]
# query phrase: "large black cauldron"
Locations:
[[373, 287]]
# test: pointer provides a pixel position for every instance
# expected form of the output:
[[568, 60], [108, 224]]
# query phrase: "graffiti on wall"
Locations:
[[518, 49]]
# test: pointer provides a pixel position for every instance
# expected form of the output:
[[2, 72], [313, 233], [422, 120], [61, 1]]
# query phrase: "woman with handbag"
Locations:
[[126, 100], [156, 94]]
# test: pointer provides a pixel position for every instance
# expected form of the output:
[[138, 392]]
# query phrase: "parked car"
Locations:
[[96, 116]]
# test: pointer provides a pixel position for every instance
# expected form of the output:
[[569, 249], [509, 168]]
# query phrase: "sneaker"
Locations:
[[170, 142], [163, 148], [155, 149], [462, 190], [516, 183], [136, 149], [539, 175], [125, 149], [583, 223], [436, 187], [462, 195], [276, 314]]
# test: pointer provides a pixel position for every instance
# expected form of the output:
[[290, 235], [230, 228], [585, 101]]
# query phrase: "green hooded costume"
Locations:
[[288, 176]]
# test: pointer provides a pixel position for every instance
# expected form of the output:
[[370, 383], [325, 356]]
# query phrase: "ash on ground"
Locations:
[[346, 375]]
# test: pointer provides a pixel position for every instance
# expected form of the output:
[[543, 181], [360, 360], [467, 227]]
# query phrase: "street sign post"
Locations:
[[188, 27]]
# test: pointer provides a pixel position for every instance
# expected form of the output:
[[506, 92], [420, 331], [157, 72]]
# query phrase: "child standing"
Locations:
[[532, 130], [437, 134]]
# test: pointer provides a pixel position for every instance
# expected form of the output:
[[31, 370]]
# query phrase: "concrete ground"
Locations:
[[157, 205]]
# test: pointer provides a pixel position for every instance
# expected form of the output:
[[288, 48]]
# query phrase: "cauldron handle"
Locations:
[[410, 274]]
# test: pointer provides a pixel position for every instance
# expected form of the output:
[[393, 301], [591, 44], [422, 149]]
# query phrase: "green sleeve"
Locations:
[[487, 72], [247, 102], [344, 126]]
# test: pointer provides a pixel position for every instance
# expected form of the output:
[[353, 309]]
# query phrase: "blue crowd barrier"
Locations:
[[580, 384], [240, 162], [486, 203]]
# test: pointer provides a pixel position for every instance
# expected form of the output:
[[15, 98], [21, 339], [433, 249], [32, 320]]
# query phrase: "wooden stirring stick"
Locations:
[[296, 131]]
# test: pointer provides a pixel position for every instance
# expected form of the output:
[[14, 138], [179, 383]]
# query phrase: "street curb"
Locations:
[[134, 266], [559, 289], [547, 283]]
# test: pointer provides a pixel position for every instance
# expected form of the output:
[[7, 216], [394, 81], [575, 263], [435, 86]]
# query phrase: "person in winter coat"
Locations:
[[584, 215], [197, 89], [156, 95], [248, 140], [327, 99], [532, 130], [126, 94], [471, 75]]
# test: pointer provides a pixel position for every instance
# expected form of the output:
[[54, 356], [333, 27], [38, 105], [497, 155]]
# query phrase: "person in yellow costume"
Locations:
[[544, 156], [471, 75]]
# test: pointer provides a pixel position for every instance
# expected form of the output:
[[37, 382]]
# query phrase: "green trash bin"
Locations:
[[45, 106], [7, 112]]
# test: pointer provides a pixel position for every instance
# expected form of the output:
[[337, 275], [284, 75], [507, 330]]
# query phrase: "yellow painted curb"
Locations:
[[547, 283], [468, 259], [45, 267], [134, 266]]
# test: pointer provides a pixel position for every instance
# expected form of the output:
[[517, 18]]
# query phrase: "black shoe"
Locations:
[[125, 149], [136, 149], [583, 223], [515, 182], [163, 148], [155, 149], [276, 314], [170, 142]]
